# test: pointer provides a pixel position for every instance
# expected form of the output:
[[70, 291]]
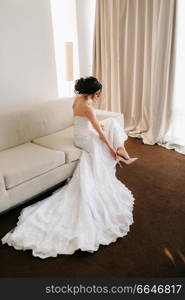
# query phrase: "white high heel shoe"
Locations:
[[126, 161]]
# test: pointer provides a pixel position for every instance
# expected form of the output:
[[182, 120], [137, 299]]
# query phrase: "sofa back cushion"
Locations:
[[35, 121]]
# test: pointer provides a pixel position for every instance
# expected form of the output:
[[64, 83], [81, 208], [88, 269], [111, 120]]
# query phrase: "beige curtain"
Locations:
[[134, 46]]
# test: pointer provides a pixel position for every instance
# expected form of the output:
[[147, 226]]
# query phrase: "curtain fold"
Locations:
[[175, 137], [134, 58]]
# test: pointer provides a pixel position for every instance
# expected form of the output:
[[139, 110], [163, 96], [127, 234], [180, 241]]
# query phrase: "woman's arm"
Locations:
[[92, 118]]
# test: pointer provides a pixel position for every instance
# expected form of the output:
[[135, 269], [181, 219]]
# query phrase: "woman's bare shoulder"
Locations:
[[75, 100], [89, 111]]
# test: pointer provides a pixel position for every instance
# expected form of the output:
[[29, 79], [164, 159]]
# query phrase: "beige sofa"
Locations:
[[37, 150]]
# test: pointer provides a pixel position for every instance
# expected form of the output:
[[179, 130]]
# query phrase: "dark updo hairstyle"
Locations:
[[88, 85]]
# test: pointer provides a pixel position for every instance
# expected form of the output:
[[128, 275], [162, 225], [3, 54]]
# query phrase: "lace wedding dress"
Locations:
[[93, 208]]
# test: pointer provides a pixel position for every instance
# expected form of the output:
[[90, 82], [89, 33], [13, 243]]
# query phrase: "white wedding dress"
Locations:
[[93, 208]]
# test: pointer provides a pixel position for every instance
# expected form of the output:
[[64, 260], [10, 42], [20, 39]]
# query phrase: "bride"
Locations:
[[94, 207]]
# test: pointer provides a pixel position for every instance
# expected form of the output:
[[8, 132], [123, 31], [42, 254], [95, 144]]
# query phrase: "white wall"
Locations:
[[27, 61]]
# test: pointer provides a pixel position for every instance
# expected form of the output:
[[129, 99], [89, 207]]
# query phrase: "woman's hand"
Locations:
[[113, 153]]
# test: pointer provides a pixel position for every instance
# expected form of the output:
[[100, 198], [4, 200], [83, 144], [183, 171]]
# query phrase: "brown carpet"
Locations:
[[155, 245]]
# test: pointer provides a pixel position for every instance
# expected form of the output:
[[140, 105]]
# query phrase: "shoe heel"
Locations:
[[120, 165]]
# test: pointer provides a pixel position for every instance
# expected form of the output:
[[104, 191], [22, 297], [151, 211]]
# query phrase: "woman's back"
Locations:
[[80, 106]]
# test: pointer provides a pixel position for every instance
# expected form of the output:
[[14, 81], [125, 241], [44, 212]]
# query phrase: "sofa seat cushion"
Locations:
[[61, 140], [22, 163]]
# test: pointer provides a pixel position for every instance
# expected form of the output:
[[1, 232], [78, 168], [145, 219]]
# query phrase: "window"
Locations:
[[176, 134], [73, 21]]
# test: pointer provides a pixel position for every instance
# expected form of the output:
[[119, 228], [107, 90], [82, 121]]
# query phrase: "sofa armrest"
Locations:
[[2, 184], [4, 199], [104, 114]]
